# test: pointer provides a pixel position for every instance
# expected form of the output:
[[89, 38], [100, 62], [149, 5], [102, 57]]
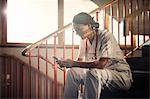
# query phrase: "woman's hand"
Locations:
[[65, 63]]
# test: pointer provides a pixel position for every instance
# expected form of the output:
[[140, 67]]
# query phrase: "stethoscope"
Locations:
[[95, 56]]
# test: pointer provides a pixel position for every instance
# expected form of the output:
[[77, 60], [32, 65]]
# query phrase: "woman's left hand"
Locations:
[[65, 63]]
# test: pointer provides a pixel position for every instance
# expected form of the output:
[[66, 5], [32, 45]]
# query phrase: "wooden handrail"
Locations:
[[34, 45], [129, 53]]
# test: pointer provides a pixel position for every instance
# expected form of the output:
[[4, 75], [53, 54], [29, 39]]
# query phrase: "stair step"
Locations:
[[146, 51], [139, 63]]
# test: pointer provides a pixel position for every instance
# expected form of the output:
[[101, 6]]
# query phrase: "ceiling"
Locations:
[[101, 2]]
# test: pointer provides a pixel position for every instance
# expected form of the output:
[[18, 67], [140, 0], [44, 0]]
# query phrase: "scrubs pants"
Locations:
[[94, 81]]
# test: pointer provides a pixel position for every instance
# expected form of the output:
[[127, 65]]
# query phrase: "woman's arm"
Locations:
[[100, 64]]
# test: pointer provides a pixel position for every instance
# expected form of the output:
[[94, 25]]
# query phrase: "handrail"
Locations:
[[42, 57], [129, 53], [34, 45], [50, 62]]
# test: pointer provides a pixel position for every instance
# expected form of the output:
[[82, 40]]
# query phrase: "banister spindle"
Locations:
[[38, 82], [72, 44], [143, 22], [16, 65], [137, 23], [10, 78], [29, 77], [46, 71], [22, 81], [97, 16], [112, 14], [131, 25], [104, 17], [124, 15], [55, 70], [64, 56], [118, 17]]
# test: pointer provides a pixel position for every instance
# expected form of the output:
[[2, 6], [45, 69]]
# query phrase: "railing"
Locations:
[[111, 14], [16, 77], [133, 50]]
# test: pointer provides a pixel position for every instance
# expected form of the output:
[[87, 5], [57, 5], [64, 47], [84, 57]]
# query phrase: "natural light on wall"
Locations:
[[30, 20]]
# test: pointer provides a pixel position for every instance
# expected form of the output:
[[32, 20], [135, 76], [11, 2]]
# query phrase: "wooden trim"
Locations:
[[4, 22]]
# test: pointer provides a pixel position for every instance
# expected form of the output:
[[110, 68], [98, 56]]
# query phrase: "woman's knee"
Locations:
[[74, 74], [92, 74], [70, 73]]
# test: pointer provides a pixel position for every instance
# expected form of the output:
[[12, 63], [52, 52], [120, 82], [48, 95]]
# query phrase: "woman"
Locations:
[[100, 64]]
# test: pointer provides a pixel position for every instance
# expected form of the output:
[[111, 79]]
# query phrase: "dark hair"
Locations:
[[84, 18]]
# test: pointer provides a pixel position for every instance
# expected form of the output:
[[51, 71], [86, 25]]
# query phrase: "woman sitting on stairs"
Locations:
[[100, 64]]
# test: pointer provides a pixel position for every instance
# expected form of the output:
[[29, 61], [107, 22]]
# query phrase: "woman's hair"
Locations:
[[84, 18]]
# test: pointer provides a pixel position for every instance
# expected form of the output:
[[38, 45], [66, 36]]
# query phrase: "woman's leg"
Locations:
[[118, 80], [97, 79], [75, 77]]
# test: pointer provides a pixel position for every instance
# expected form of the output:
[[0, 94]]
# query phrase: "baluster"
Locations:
[[105, 18], [124, 15], [38, 82], [143, 22], [64, 56], [131, 26], [72, 44], [29, 77], [55, 70], [118, 16], [112, 14], [46, 72], [22, 80], [137, 23]]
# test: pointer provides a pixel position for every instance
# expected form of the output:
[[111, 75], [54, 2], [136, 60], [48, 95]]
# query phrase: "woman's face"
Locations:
[[82, 30]]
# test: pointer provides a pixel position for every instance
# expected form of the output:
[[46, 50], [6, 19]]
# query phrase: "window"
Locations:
[[30, 20]]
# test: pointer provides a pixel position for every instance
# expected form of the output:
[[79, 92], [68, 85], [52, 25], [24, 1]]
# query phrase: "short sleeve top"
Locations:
[[107, 46]]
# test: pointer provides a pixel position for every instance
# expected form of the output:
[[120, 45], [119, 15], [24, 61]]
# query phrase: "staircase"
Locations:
[[22, 80], [118, 17], [140, 67]]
